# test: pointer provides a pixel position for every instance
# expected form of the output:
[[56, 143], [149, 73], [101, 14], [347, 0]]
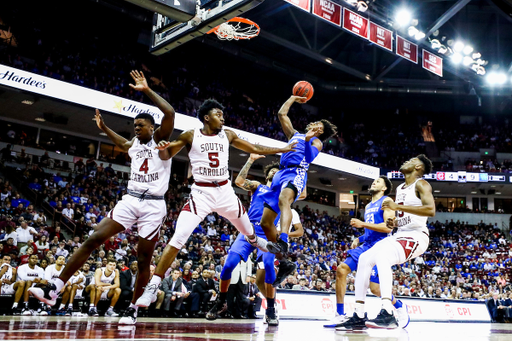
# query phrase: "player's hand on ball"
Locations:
[[391, 223], [99, 120], [254, 157], [290, 147], [140, 81], [356, 223], [390, 204], [299, 99], [163, 145]]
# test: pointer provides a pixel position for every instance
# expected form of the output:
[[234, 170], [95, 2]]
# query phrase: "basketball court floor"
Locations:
[[64, 328]]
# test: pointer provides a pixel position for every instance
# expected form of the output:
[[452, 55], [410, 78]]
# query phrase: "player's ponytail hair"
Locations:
[[205, 108], [329, 130], [389, 185], [427, 164]]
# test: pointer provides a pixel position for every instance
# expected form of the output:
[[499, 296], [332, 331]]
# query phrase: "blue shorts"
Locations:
[[243, 247], [294, 176], [353, 259]]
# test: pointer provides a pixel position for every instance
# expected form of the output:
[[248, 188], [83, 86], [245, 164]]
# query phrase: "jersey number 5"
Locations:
[[214, 158], [400, 214], [144, 167]]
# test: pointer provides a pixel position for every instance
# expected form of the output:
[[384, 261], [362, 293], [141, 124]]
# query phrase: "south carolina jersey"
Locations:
[[406, 195], [51, 273], [256, 207], [209, 156], [104, 278], [374, 214], [296, 157], [25, 273], [149, 173]]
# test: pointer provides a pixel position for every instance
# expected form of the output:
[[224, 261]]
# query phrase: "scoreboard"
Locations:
[[461, 177]]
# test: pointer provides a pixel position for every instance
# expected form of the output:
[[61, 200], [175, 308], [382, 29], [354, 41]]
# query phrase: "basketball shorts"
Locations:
[[403, 245], [353, 259], [223, 200], [148, 214], [297, 177], [7, 289], [242, 247]]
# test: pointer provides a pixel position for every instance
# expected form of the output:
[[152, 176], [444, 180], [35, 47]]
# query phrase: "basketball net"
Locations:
[[236, 29]]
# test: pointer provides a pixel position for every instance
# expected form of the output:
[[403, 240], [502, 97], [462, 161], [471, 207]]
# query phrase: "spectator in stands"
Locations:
[[175, 293], [303, 284], [205, 287], [24, 234], [10, 231]]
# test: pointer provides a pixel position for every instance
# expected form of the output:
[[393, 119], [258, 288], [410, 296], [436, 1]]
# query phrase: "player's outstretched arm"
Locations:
[[168, 149], [427, 208], [248, 147], [118, 140], [241, 179], [286, 123], [167, 125]]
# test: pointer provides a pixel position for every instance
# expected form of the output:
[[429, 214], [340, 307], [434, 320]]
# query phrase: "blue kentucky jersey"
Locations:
[[298, 156], [256, 207], [374, 214]]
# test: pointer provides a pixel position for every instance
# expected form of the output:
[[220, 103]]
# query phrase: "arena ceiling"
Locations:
[[295, 44]]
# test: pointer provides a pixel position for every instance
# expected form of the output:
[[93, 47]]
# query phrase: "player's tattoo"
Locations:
[[248, 184], [266, 149]]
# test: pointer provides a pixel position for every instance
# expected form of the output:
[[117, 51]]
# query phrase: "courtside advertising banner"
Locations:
[[432, 63], [302, 4], [355, 23], [46, 86], [406, 49], [381, 36], [301, 304], [327, 10]]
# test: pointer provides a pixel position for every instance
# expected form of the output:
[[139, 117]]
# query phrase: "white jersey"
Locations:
[[74, 279], [51, 273], [104, 278], [8, 274], [295, 221], [209, 156], [406, 195], [149, 173], [25, 273]]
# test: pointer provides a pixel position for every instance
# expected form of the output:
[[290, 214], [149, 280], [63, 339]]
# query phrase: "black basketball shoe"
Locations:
[[384, 320], [217, 309], [353, 323], [285, 268], [280, 246]]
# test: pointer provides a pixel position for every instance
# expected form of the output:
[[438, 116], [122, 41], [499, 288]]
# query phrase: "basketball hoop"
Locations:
[[236, 29]]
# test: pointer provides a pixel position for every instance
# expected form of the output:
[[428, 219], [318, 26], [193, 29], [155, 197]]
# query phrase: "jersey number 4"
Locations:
[[144, 167], [214, 158]]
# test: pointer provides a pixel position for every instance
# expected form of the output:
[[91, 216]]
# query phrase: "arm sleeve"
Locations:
[[311, 152]]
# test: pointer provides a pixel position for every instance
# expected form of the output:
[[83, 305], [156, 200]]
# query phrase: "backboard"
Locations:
[[168, 33]]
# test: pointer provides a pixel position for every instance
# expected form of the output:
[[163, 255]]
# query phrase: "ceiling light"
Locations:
[[450, 42], [103, 134], [403, 17], [496, 78], [27, 102], [468, 50], [419, 35], [437, 191], [328, 60], [412, 31], [458, 46], [476, 55], [342, 179], [362, 6], [443, 49], [435, 44], [467, 61], [243, 154], [498, 192], [40, 119], [456, 58], [473, 192]]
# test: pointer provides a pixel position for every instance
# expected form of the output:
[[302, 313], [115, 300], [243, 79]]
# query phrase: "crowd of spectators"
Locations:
[[462, 262]]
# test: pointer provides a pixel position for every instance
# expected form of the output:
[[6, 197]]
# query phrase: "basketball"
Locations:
[[303, 89]]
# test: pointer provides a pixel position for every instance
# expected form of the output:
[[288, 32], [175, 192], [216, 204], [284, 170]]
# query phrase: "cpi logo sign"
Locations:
[[327, 305]]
